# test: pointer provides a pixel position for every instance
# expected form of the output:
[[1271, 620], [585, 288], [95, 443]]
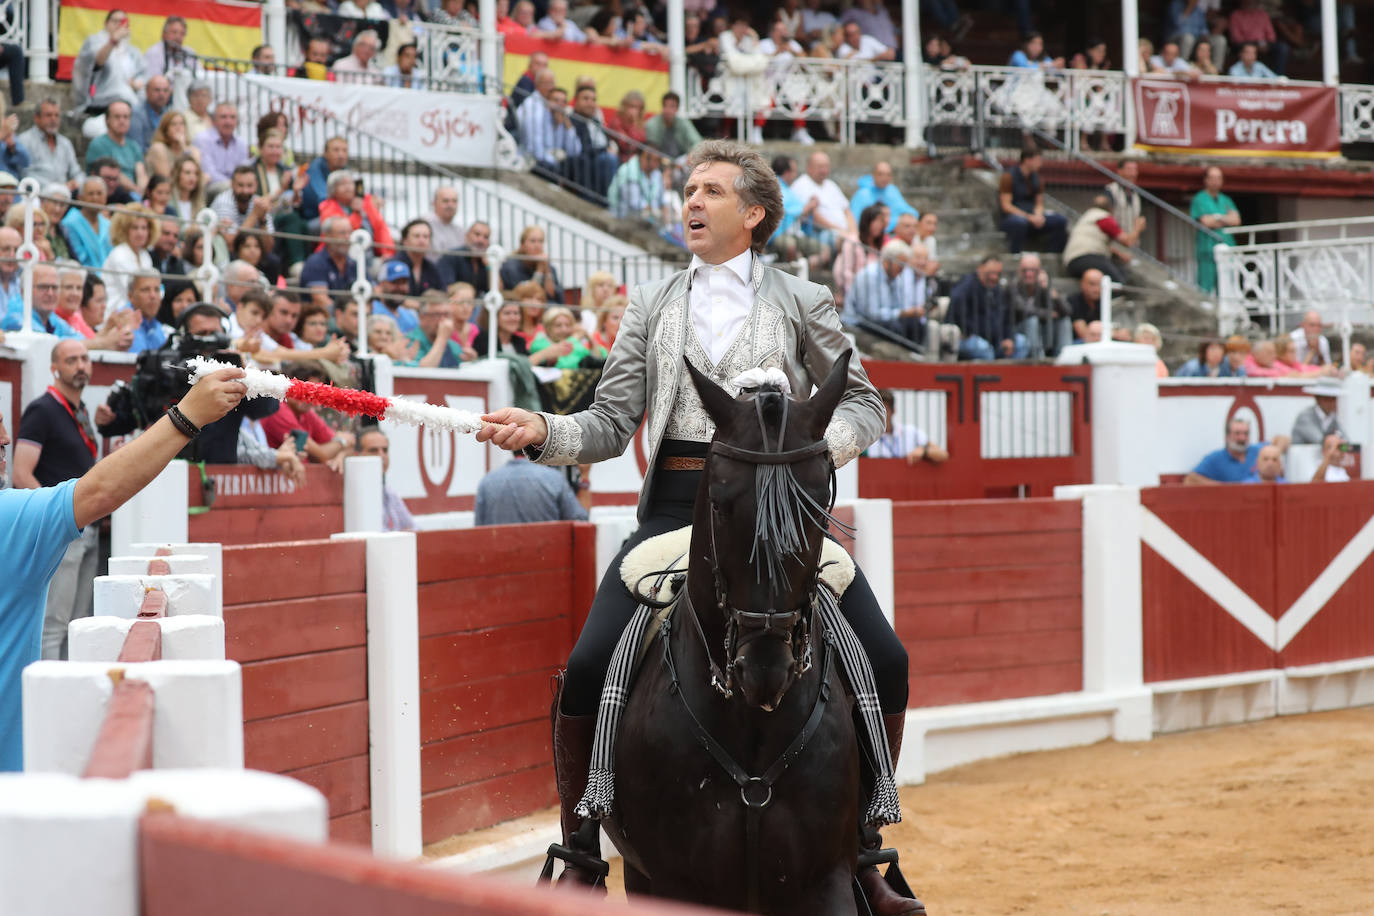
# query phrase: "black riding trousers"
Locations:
[[674, 497]]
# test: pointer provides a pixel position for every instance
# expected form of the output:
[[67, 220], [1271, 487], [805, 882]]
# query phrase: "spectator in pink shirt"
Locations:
[[1251, 23]]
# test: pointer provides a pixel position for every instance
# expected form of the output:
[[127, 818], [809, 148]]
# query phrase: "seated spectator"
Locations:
[[312, 334], [557, 26], [330, 269], [248, 327], [253, 450], [597, 289], [463, 298], [1320, 419], [188, 187], [702, 47], [157, 196], [856, 45], [638, 190], [107, 170], [1249, 66], [531, 263], [469, 265], [404, 74], [637, 33], [1202, 60], [71, 281], [177, 297], [1237, 353], [384, 337], [879, 189], [318, 49], [451, 12], [116, 144], [52, 157], [628, 120], [1311, 348], [1094, 243], [43, 318], [925, 235], [522, 492], [979, 308], [335, 159], [1286, 356], [825, 210], [435, 346], [1169, 62], [415, 243], [445, 231], [532, 306], [14, 158], [240, 206], [252, 247], [903, 440], [1039, 315], [1022, 200], [561, 344], [87, 227], [508, 339], [279, 184], [240, 278], [671, 135], [1210, 362], [145, 300], [1085, 306], [789, 241], [170, 54], [1359, 361], [594, 167], [873, 20], [1187, 23], [1031, 55], [347, 200], [323, 445], [1149, 334], [108, 67], [343, 323], [1234, 462], [132, 233], [856, 254], [816, 22], [546, 130], [395, 516], [608, 325], [393, 288], [221, 149], [1250, 24], [93, 304], [362, 66], [1263, 362], [199, 118], [148, 113], [538, 63], [1268, 466], [886, 293]]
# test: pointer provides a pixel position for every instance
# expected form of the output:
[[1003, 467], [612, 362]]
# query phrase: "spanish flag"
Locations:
[[616, 71], [212, 29]]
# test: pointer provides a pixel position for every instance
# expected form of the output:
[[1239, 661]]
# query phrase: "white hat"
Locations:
[[1326, 388]]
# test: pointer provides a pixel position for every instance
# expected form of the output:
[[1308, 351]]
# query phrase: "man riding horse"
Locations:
[[726, 313]]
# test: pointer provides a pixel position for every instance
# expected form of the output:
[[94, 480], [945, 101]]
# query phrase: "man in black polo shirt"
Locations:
[[1021, 199], [57, 442]]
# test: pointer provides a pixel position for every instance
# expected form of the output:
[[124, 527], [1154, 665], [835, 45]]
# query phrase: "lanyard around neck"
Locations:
[[80, 426]]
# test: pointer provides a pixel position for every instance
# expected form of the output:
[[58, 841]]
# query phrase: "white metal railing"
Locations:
[[452, 55], [1304, 230], [1274, 282]]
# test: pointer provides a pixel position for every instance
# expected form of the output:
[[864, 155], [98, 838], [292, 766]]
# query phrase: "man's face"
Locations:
[[1028, 272], [1212, 179], [283, 318], [199, 100], [336, 154], [544, 82], [245, 185], [374, 443], [478, 237], [45, 288], [539, 61], [1269, 463], [920, 259], [174, 33], [1169, 53], [417, 237], [1031, 165], [405, 59], [446, 205], [1312, 325], [558, 100], [716, 229], [317, 52], [145, 295], [72, 364], [585, 103], [434, 313], [818, 167], [202, 325], [892, 267], [266, 58], [159, 92], [1357, 355], [93, 191], [524, 16], [853, 35], [397, 287], [117, 120], [669, 111], [990, 274], [1091, 285], [558, 11], [1238, 436], [167, 239], [226, 120], [336, 239], [906, 228], [9, 245], [882, 175], [648, 162], [1248, 55], [365, 50], [779, 34], [110, 175], [1130, 171], [49, 118], [346, 317]]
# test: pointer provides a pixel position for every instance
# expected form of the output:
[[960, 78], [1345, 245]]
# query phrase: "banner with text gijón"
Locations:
[[1240, 118]]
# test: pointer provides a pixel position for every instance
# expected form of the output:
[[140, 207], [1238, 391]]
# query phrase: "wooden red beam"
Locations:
[[125, 741], [143, 643], [154, 604]]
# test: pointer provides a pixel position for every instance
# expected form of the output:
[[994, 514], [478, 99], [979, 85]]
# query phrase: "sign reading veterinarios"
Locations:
[[441, 127], [1242, 118]]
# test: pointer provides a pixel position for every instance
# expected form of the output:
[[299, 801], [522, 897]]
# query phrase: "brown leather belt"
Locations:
[[682, 464]]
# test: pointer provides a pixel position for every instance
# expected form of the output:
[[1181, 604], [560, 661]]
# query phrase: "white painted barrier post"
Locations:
[[122, 596], [363, 495], [155, 513], [393, 691], [1125, 410], [213, 553], [873, 550], [190, 638]]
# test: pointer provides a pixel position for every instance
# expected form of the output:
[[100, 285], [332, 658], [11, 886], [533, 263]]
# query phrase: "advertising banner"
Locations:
[[1237, 118]]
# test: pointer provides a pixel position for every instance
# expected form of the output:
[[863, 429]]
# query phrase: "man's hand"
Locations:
[[915, 456], [213, 396], [104, 415], [289, 463], [1036, 219], [1281, 442], [335, 351], [513, 429]]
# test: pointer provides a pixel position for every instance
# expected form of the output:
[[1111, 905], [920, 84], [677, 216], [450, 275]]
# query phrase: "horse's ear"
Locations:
[[827, 397], [717, 401]]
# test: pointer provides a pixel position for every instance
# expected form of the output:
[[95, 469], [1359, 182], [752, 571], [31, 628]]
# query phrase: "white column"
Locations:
[[1130, 62], [1125, 410], [492, 65], [873, 550], [156, 514], [677, 53], [1357, 418], [363, 494], [274, 28], [1331, 45], [393, 691], [40, 42], [914, 74]]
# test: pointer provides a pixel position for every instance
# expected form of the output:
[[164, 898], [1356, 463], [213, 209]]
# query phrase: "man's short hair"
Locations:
[[896, 250], [334, 221], [258, 50], [1234, 419], [369, 431], [1029, 152], [103, 162], [173, 20], [245, 169], [671, 95], [988, 259], [259, 297], [370, 35]]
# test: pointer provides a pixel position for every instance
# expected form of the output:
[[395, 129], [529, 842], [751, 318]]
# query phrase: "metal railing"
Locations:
[[208, 67]]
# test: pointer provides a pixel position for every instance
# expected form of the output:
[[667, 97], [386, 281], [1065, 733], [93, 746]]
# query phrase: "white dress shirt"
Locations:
[[721, 299]]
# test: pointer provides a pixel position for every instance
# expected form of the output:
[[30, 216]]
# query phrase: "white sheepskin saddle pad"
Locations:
[[669, 551]]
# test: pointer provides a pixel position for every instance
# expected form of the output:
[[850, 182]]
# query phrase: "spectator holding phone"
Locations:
[[321, 444]]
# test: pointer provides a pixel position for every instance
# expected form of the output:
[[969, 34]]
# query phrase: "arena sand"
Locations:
[[1271, 817]]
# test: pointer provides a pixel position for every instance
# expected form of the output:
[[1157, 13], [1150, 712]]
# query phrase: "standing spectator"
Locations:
[[1031, 55], [1021, 196], [222, 150], [856, 254], [879, 189], [556, 25], [403, 74], [46, 287], [395, 515], [88, 229], [1250, 23], [469, 265], [330, 269], [362, 65], [522, 492], [1234, 462], [638, 189], [1210, 362], [886, 293], [436, 348], [902, 440], [670, 134], [132, 232], [346, 199], [108, 67], [531, 263], [825, 211], [169, 142], [445, 232], [1248, 66], [55, 443], [1310, 345], [1314, 424], [116, 144], [1186, 23], [508, 339], [148, 114], [1169, 62], [145, 298], [1125, 203], [335, 159], [979, 308], [857, 45], [628, 119], [1038, 314], [170, 54], [1091, 243], [240, 206], [52, 158], [595, 165], [415, 243], [1216, 212]]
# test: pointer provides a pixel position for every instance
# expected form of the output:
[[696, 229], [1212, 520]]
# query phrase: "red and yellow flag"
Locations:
[[616, 71], [212, 29]]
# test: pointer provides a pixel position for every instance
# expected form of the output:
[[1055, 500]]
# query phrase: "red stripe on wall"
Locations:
[[587, 53], [249, 15]]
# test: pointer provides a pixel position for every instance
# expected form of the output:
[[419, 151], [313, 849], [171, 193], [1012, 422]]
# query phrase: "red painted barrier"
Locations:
[[125, 740], [253, 506], [989, 598], [189, 866], [295, 617], [1010, 431]]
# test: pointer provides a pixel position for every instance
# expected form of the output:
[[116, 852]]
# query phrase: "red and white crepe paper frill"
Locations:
[[262, 384]]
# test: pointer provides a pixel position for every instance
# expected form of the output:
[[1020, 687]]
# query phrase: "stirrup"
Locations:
[[589, 864], [893, 877]]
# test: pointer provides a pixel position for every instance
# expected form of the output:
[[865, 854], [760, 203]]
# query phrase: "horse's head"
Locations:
[[762, 514]]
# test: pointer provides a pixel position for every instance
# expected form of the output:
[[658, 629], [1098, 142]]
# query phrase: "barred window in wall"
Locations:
[[1026, 424]]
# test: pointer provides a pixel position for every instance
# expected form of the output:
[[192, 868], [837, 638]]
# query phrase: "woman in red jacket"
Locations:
[[346, 199]]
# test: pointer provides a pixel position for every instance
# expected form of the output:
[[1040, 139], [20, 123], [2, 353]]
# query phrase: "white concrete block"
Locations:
[[198, 720], [157, 512], [1322, 687], [190, 638], [180, 565], [209, 549], [122, 596], [1207, 702], [250, 799]]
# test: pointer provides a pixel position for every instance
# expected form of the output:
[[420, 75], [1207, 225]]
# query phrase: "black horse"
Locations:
[[737, 766]]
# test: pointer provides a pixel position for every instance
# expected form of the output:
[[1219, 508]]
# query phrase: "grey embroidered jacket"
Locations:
[[793, 326]]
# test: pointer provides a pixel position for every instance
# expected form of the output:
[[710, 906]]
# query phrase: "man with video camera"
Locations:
[[161, 380]]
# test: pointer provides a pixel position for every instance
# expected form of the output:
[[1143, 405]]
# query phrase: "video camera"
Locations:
[[162, 378]]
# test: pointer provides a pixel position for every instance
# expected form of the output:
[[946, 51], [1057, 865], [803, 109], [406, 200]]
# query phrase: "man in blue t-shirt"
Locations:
[[1234, 463], [37, 525]]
